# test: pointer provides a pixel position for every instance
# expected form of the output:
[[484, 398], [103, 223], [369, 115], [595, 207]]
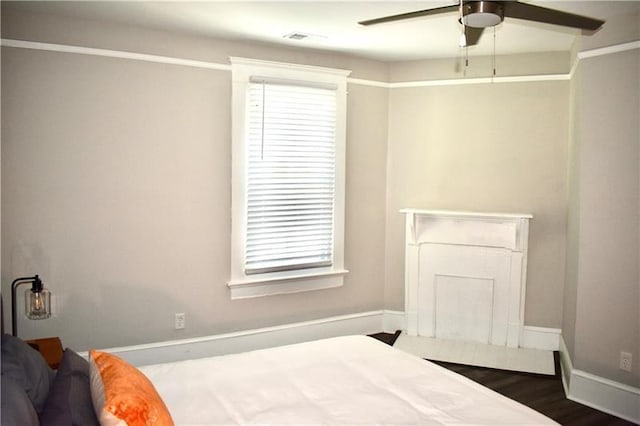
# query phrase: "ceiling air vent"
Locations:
[[296, 36]]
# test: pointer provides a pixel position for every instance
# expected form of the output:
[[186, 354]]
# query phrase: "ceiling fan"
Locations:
[[478, 15]]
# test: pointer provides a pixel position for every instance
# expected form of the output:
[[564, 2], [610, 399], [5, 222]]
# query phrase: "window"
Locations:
[[290, 177], [288, 152]]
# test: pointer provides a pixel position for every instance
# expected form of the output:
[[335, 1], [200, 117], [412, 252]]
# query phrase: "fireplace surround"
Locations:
[[465, 275]]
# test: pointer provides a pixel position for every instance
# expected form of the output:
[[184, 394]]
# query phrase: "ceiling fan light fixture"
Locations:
[[482, 14], [476, 15]]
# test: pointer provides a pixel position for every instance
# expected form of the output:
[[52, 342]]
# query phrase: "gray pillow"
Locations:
[[17, 409], [26, 366], [69, 402]]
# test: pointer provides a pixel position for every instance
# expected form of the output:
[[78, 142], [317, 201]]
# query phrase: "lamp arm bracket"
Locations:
[[35, 281]]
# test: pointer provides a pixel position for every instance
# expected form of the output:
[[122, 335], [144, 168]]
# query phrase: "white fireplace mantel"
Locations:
[[465, 275]]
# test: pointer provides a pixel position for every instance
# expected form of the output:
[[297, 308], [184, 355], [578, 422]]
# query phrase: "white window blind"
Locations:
[[291, 176]]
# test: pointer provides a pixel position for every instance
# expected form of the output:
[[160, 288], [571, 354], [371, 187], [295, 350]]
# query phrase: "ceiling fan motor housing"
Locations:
[[482, 14]]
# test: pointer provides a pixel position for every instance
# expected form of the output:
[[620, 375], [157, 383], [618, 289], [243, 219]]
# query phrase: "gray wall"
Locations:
[[491, 147], [116, 186], [603, 287], [601, 309]]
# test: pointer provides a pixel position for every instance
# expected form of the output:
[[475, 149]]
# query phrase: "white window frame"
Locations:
[[242, 285]]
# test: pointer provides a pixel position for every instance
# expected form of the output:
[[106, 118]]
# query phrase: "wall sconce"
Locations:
[[37, 301]]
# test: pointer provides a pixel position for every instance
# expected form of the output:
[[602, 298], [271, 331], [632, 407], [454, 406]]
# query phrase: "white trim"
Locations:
[[609, 50], [540, 338], [586, 54], [288, 68], [246, 340], [566, 366], [449, 236], [597, 392], [467, 214], [605, 395], [24, 44], [373, 83], [63, 48], [243, 289], [574, 67], [241, 284], [480, 80], [393, 321]]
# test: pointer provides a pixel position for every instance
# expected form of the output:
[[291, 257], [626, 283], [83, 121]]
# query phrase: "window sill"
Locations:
[[247, 288]]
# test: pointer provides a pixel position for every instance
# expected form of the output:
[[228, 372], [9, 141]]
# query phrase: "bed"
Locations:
[[343, 381]]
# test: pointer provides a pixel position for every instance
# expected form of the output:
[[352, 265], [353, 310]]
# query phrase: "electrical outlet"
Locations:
[[180, 320], [625, 361]]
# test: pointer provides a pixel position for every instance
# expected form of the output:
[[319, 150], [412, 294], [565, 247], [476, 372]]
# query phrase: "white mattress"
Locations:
[[344, 381]]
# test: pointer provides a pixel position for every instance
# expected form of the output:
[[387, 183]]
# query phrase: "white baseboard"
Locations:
[[566, 366], [393, 321], [242, 341], [605, 395], [540, 338], [597, 392], [360, 323]]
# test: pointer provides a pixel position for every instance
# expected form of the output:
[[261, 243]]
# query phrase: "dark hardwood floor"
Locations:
[[544, 394]]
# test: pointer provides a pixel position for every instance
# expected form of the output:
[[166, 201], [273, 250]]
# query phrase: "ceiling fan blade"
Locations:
[[409, 15], [472, 35], [515, 9]]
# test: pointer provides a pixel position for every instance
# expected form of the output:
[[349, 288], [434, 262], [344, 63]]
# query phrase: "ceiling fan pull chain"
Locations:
[[463, 40], [463, 36], [494, 51], [466, 60]]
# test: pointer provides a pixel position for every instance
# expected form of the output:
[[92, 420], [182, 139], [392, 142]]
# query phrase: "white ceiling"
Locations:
[[332, 25]]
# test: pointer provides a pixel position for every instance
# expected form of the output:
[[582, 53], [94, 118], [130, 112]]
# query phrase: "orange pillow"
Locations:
[[122, 395]]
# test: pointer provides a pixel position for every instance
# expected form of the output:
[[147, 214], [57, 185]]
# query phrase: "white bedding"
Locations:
[[344, 381]]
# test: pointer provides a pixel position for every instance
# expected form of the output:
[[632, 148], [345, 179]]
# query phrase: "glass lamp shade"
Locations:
[[482, 20], [37, 304]]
